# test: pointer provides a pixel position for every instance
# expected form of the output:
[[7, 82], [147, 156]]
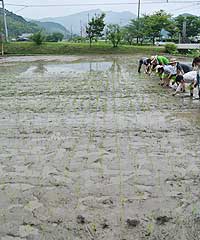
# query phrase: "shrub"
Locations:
[[55, 37], [170, 48], [194, 53], [114, 34], [38, 38]]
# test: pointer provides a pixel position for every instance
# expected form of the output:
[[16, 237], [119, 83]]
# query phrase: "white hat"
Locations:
[[153, 58], [158, 67], [172, 60]]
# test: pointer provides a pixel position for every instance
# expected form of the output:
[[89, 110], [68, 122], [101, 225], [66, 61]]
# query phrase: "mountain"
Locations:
[[186, 15], [51, 27], [17, 25], [75, 21]]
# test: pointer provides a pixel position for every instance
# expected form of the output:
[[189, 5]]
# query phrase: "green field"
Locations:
[[29, 48]]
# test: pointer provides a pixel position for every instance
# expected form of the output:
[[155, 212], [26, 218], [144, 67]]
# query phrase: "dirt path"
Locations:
[[92, 150]]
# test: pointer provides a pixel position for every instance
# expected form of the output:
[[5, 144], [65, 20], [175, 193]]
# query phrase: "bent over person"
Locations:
[[158, 60], [181, 80], [196, 66], [146, 62], [166, 73]]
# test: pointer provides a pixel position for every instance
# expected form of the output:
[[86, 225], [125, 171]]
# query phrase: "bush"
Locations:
[[114, 34], [55, 37], [78, 39], [38, 38], [194, 53], [170, 48]]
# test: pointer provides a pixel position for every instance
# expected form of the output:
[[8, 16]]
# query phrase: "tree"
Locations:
[[127, 36], [136, 29], [173, 29], [95, 27], [153, 24], [192, 24], [55, 37], [38, 38], [114, 34]]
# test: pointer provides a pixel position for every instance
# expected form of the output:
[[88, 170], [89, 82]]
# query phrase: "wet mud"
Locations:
[[90, 149]]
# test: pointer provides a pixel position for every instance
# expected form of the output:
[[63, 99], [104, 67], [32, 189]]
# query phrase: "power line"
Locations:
[[99, 4], [20, 9], [186, 7], [68, 5]]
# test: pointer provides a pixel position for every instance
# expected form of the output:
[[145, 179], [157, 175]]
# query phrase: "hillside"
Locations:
[[186, 14], [51, 27], [73, 21], [18, 25]]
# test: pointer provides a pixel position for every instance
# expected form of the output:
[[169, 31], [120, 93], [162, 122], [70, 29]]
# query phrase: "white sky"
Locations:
[[36, 13]]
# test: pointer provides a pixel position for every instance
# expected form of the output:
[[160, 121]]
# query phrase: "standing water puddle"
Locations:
[[62, 68]]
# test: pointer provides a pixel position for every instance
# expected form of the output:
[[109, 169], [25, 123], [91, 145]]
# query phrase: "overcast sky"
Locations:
[[36, 13]]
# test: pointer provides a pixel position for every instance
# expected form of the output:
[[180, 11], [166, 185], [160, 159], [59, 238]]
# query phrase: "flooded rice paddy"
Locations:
[[89, 149]]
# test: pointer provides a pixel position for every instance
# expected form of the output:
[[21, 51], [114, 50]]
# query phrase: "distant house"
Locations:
[[24, 37], [195, 39], [164, 34]]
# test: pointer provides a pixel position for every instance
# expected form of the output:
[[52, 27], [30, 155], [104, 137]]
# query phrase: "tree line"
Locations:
[[148, 27]]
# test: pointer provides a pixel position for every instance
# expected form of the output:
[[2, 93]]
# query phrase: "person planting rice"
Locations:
[[146, 62], [181, 68], [196, 66], [158, 60], [184, 68], [179, 73], [181, 80], [166, 73], [195, 62]]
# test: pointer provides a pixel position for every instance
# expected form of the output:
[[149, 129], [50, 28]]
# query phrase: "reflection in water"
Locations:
[[40, 68], [115, 66], [57, 68]]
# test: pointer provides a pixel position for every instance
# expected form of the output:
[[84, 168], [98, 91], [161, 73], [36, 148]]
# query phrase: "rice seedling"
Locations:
[[95, 134]]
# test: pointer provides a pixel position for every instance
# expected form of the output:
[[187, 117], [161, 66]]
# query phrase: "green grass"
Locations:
[[29, 48]]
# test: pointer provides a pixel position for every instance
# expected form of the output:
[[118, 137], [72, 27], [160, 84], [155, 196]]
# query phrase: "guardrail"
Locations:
[[187, 46]]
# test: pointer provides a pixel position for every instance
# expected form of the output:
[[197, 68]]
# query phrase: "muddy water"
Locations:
[[91, 150]]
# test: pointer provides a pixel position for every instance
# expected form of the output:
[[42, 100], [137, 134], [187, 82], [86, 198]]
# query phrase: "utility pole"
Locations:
[[1, 40], [81, 29], [138, 17], [71, 32], [184, 32], [4, 19], [179, 38], [139, 6]]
